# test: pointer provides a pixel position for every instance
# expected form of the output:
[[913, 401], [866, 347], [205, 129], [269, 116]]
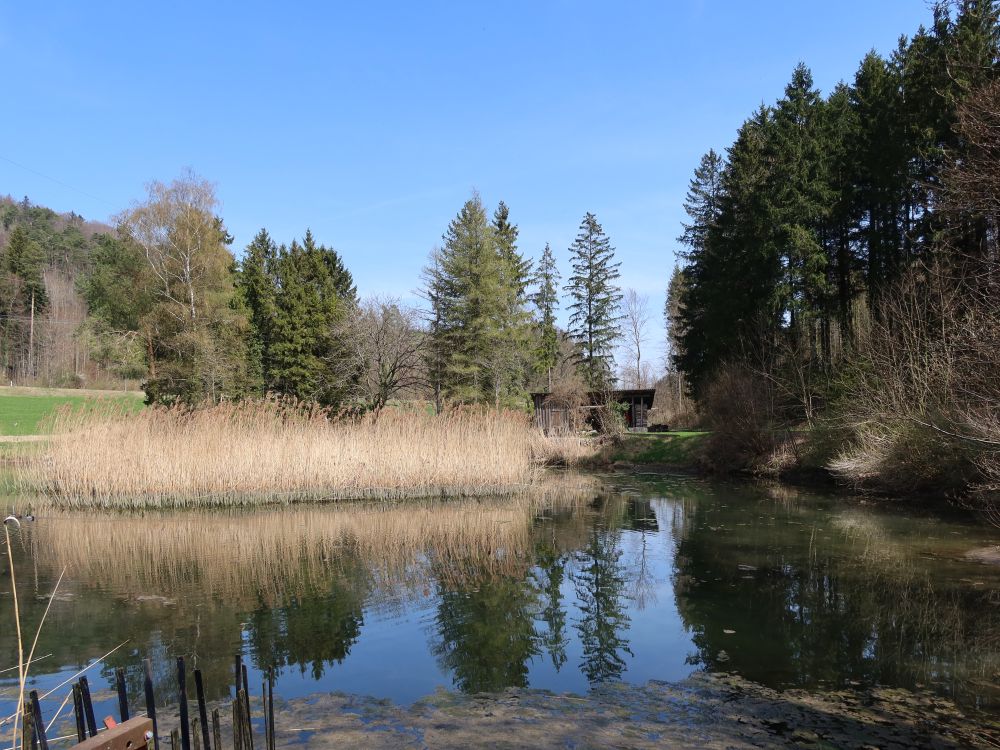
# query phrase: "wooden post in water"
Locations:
[[199, 688], [122, 694], [81, 727], [238, 721], [270, 708], [182, 697], [246, 710], [238, 674], [88, 707], [36, 714], [28, 738], [216, 730], [151, 702]]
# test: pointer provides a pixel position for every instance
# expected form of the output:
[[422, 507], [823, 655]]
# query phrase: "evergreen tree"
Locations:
[[702, 204], [879, 159], [314, 291], [672, 308], [508, 361], [801, 198], [472, 302], [435, 290], [25, 259], [545, 299], [731, 277], [257, 287], [476, 284], [595, 318]]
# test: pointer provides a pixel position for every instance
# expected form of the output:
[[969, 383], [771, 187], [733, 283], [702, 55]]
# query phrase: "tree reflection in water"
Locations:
[[786, 589], [600, 581]]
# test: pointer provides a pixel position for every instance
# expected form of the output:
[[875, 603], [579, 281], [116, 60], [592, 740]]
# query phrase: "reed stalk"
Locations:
[[267, 451]]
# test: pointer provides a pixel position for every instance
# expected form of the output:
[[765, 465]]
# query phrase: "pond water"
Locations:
[[627, 577]]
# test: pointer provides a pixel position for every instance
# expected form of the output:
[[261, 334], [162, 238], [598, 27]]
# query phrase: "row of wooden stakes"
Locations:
[[199, 733]]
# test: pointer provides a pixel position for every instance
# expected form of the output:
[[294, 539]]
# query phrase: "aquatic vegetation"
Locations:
[[270, 451]]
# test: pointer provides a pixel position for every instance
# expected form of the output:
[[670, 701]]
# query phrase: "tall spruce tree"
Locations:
[[545, 299], [25, 259], [479, 326], [508, 361], [314, 291], [472, 302], [732, 274], [595, 318], [801, 198], [257, 287]]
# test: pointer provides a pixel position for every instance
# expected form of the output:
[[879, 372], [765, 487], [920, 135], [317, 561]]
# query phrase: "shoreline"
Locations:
[[709, 711]]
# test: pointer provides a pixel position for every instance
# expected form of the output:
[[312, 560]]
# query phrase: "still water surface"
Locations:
[[645, 577]]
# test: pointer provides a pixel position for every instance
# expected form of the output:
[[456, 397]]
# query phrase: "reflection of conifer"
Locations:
[[311, 631], [600, 589], [486, 634], [551, 575]]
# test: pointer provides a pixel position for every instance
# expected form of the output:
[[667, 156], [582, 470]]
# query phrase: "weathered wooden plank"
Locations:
[[129, 735]]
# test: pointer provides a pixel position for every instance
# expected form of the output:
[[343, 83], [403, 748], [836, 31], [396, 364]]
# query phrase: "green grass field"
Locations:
[[23, 411]]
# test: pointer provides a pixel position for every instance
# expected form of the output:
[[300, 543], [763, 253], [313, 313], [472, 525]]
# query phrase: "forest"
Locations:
[[834, 310], [836, 307], [161, 299]]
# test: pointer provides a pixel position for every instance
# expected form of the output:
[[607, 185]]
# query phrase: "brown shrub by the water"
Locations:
[[239, 453]]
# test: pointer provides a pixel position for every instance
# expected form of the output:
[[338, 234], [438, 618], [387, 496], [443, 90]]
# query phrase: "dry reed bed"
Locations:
[[265, 451], [266, 555]]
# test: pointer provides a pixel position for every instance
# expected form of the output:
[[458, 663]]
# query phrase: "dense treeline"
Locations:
[[821, 248], [42, 315], [161, 298]]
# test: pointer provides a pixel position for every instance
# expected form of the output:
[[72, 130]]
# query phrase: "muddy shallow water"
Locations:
[[596, 593]]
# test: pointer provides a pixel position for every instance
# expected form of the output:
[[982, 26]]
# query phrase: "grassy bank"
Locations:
[[676, 450], [26, 411], [258, 452]]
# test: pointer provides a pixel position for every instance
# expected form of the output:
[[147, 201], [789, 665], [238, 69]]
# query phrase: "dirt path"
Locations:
[[708, 712]]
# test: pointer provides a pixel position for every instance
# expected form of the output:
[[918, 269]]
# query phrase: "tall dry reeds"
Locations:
[[266, 451]]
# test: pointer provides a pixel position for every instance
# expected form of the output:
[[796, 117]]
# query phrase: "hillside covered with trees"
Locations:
[[161, 298]]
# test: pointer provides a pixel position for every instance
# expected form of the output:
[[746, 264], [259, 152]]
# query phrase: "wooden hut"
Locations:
[[552, 417]]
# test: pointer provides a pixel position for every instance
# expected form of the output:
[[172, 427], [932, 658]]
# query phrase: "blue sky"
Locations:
[[372, 122]]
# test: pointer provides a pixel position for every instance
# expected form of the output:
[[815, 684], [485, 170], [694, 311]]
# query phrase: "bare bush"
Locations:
[[739, 408], [921, 395]]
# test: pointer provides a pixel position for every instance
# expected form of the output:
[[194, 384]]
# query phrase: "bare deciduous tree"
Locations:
[[635, 311], [386, 348]]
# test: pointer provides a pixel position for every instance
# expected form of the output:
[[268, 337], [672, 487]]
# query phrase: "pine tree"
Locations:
[[732, 279], [314, 291], [472, 303], [476, 285], [545, 299], [702, 204], [508, 359], [672, 308], [257, 287], [435, 290], [595, 318], [25, 259], [801, 196]]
